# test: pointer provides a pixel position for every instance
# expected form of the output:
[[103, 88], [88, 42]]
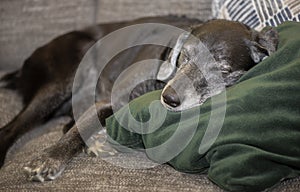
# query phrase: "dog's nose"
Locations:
[[170, 97]]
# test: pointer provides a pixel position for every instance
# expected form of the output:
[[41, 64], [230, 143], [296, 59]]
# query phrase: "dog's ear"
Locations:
[[167, 68], [165, 71], [263, 44]]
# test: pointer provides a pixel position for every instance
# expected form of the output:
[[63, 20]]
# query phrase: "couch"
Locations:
[[26, 25]]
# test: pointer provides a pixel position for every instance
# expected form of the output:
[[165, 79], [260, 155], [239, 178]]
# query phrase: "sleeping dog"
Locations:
[[46, 78]]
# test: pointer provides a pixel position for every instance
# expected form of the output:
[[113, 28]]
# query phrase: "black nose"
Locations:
[[170, 97]]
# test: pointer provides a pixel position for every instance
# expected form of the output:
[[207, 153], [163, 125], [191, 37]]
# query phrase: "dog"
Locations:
[[46, 77]]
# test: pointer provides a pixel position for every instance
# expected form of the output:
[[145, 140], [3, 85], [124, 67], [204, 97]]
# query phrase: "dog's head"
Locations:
[[212, 56]]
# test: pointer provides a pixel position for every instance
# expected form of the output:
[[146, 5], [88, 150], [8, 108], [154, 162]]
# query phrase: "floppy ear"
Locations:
[[165, 71], [168, 67], [263, 44]]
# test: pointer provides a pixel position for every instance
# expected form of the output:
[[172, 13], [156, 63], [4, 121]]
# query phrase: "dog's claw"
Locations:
[[33, 175], [44, 170], [100, 147], [101, 150]]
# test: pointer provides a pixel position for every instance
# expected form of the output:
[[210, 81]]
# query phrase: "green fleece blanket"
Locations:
[[258, 144]]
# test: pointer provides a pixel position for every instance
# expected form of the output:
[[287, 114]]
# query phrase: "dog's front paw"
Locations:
[[99, 149], [99, 146], [44, 168]]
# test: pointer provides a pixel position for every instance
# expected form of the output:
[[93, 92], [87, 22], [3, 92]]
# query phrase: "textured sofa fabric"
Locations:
[[41, 21], [26, 25]]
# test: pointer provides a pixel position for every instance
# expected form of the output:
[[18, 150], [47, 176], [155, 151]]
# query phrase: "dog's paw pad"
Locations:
[[43, 169]]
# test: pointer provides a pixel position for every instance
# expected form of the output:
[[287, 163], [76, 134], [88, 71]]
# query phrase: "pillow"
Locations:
[[259, 142], [257, 13]]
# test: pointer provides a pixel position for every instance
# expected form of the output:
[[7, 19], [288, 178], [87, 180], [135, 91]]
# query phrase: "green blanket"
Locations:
[[259, 142]]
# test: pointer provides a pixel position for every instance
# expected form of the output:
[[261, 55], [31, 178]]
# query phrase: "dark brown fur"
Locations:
[[46, 78]]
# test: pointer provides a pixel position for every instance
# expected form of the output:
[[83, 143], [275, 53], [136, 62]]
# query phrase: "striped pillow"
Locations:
[[257, 13]]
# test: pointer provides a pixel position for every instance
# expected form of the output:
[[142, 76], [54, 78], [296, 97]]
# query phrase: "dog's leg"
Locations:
[[53, 160], [45, 82], [8, 81], [45, 102]]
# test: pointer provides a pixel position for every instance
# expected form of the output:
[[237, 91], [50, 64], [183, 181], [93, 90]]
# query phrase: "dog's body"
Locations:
[[46, 79]]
